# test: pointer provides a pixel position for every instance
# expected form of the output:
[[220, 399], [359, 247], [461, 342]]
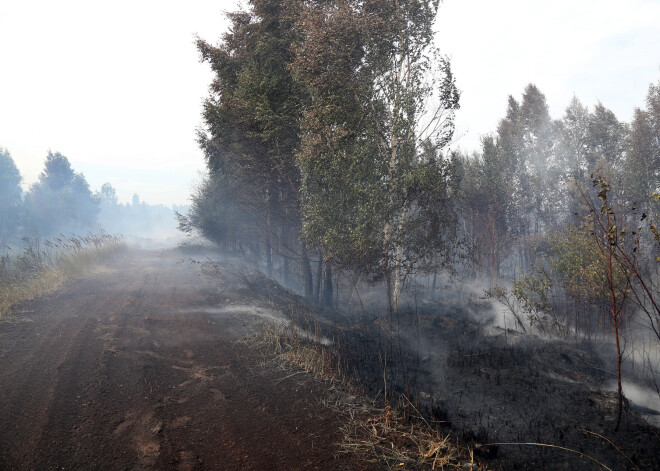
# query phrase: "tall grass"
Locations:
[[42, 266]]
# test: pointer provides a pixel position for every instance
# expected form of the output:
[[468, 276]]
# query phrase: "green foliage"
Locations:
[[57, 174], [376, 187], [318, 126], [215, 214], [532, 289], [642, 164], [487, 192], [575, 262], [252, 129], [253, 113]]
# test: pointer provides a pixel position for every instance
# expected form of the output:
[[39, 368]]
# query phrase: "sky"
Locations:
[[597, 50], [117, 87]]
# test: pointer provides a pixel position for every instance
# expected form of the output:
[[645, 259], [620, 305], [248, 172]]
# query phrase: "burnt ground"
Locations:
[[129, 370], [536, 394], [486, 386], [522, 388]]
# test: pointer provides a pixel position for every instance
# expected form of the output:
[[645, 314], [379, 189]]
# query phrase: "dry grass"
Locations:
[[296, 350], [42, 267], [402, 442]]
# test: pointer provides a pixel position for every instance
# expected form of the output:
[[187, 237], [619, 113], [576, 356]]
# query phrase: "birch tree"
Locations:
[[382, 99]]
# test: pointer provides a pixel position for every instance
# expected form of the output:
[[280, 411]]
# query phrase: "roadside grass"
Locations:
[[292, 349], [390, 436], [42, 267]]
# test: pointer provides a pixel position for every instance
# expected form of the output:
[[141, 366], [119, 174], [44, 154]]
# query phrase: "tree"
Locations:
[[107, 196], [653, 110], [60, 201], [526, 141], [487, 197], [606, 139], [375, 182], [11, 197], [574, 133], [215, 214], [57, 174], [509, 140], [539, 159], [621, 267], [642, 161], [252, 124]]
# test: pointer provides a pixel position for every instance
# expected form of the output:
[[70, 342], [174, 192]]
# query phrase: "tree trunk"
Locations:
[[269, 249], [269, 257], [615, 319], [319, 276], [327, 287], [435, 283], [618, 373], [398, 266], [306, 268], [398, 282], [388, 282], [285, 254]]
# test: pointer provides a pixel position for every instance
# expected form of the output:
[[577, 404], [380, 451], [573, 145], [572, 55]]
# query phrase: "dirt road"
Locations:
[[130, 370]]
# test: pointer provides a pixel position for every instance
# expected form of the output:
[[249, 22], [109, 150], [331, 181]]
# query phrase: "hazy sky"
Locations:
[[117, 86], [604, 50]]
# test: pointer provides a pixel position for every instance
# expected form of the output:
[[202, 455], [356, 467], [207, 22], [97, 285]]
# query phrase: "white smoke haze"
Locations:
[[270, 315], [493, 315], [275, 317], [641, 396], [142, 225]]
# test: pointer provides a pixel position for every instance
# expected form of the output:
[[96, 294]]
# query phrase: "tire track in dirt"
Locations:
[[120, 372]]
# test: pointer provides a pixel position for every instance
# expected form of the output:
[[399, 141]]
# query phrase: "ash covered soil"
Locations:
[[515, 388], [546, 402], [128, 369]]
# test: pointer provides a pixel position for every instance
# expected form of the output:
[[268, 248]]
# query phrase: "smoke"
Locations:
[[641, 348], [244, 309], [471, 296], [271, 315], [142, 225], [648, 399]]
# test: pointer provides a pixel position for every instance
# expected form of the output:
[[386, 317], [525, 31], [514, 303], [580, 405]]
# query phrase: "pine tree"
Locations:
[[252, 128]]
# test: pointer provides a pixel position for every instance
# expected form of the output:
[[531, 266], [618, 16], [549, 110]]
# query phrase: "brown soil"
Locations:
[[129, 370]]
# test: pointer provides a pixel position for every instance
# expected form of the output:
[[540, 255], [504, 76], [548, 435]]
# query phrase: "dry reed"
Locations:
[[41, 267]]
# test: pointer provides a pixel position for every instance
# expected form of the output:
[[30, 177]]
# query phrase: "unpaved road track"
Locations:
[[125, 370]]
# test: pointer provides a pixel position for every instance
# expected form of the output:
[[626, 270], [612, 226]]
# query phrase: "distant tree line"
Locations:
[[61, 201], [137, 218]]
